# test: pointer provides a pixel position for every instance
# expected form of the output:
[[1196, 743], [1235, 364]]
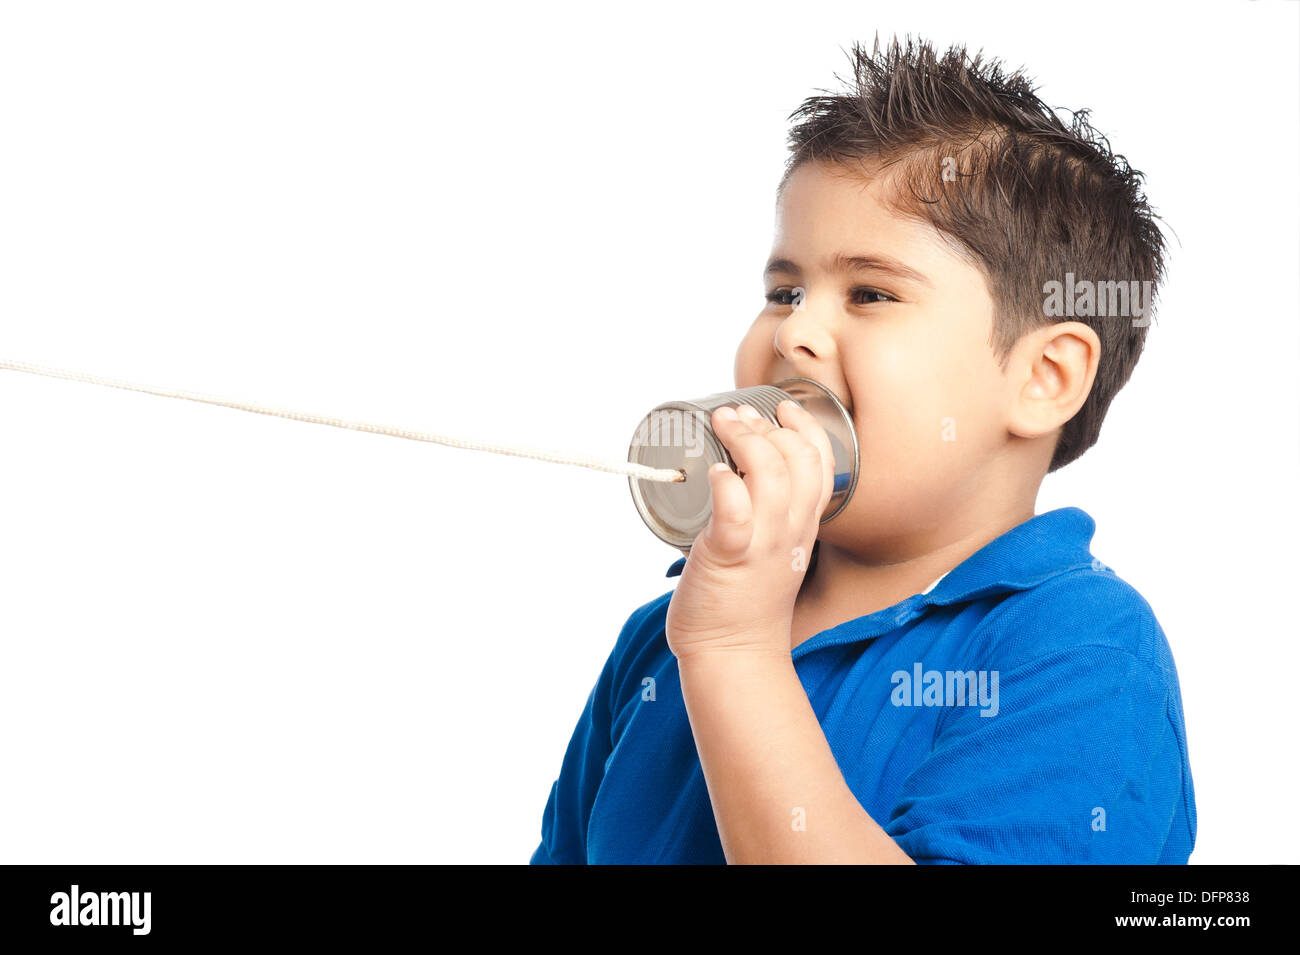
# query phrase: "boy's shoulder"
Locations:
[[1081, 609]]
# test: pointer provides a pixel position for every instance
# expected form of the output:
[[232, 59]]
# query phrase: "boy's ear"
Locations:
[[1051, 371]]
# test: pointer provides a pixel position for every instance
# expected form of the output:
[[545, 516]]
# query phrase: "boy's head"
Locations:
[[921, 223]]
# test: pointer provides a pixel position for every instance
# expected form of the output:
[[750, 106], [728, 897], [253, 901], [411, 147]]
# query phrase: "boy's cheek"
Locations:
[[921, 449], [918, 455], [913, 424]]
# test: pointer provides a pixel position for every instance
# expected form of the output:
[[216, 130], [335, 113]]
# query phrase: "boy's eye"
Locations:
[[781, 296], [784, 296], [866, 290]]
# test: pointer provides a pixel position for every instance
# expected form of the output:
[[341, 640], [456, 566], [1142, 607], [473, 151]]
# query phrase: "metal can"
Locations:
[[679, 434]]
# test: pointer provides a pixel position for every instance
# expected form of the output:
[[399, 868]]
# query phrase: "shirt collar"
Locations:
[[1044, 546]]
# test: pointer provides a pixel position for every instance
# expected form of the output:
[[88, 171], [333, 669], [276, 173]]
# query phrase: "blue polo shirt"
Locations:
[[1026, 709]]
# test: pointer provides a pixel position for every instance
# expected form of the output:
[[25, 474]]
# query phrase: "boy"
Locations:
[[947, 678]]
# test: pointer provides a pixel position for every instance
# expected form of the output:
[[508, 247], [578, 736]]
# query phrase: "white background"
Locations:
[[232, 638]]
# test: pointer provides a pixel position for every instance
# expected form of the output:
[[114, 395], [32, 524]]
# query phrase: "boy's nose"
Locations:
[[776, 346], [801, 336]]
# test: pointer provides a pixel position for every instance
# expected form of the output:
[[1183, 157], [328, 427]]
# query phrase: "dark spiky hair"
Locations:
[[1027, 198]]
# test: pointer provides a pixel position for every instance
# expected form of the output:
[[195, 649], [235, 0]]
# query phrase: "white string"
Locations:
[[644, 472]]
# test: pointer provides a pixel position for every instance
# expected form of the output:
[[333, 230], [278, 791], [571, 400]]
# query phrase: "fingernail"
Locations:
[[749, 412], [729, 413]]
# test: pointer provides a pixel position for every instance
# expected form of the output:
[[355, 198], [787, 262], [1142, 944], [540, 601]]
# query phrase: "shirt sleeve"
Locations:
[[568, 810], [1080, 762]]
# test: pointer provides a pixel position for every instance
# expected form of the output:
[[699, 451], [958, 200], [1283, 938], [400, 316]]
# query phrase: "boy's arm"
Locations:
[[778, 794]]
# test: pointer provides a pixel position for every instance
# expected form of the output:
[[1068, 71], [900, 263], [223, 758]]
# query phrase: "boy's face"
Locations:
[[908, 352]]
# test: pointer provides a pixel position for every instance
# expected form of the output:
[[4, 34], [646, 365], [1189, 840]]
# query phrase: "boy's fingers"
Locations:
[[763, 466], [807, 474], [756, 421], [731, 525], [814, 476]]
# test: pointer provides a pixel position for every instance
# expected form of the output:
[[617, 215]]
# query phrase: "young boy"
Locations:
[[948, 677]]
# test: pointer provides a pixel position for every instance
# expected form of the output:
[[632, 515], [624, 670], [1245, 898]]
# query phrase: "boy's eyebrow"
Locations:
[[853, 263]]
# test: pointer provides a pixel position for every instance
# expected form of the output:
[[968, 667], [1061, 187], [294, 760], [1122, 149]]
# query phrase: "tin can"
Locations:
[[679, 434]]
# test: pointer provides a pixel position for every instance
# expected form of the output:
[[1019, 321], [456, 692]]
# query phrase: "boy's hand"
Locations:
[[738, 588]]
